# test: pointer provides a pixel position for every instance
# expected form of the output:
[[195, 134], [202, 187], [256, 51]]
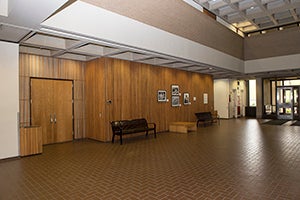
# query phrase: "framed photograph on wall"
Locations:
[[161, 95], [186, 99], [205, 98], [175, 101], [175, 90]]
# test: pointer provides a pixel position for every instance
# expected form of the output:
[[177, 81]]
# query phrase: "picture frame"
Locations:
[[205, 98], [175, 101], [175, 90], [186, 99], [161, 95]]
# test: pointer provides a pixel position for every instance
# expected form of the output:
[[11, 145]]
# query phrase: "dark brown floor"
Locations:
[[240, 159]]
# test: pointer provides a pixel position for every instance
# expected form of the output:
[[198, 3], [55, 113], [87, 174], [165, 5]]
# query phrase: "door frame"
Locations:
[[296, 106], [284, 105]]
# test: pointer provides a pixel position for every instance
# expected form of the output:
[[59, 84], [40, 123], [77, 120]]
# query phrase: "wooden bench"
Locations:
[[123, 127], [207, 118], [182, 127], [204, 117]]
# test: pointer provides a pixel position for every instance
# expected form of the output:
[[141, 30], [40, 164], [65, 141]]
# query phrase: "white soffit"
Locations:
[[30, 13], [93, 22], [273, 64]]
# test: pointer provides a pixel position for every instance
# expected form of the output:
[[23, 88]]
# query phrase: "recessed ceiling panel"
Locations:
[[11, 33], [90, 49], [262, 20], [285, 20], [226, 10], [245, 4], [282, 15], [266, 24], [253, 10], [73, 57], [195, 68], [275, 4], [215, 4], [47, 41], [273, 12]]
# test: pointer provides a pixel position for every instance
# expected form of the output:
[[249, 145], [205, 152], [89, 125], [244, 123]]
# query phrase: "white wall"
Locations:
[[273, 63], [4, 8], [221, 97], [238, 97], [259, 108], [223, 88], [9, 106]]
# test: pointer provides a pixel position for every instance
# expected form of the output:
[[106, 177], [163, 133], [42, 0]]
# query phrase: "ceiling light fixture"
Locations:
[[263, 32], [252, 7]]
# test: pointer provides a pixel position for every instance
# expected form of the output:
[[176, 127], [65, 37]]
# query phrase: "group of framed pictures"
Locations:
[[162, 96]]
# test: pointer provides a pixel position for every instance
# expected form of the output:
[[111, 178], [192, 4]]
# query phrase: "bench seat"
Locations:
[[123, 127]]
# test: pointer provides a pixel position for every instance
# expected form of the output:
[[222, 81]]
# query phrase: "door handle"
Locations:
[[54, 118], [51, 119]]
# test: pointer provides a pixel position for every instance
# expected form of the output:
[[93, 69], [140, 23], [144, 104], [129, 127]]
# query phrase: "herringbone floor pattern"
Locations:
[[240, 159]]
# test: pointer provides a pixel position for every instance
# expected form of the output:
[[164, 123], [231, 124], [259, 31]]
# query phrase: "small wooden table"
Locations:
[[182, 127]]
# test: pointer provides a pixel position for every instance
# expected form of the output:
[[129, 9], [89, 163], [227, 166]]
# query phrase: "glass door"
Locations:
[[285, 103]]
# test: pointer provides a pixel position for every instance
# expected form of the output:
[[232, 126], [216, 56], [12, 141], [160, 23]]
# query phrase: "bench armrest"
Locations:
[[152, 124]]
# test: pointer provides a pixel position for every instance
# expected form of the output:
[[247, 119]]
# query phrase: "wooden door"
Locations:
[[42, 107], [51, 108], [62, 111]]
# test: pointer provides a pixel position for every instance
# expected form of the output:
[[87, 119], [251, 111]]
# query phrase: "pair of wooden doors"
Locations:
[[52, 109]]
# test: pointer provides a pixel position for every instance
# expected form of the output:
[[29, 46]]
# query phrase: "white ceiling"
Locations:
[[253, 15], [23, 26]]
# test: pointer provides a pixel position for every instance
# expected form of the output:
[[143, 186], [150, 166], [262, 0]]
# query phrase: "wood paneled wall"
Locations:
[[132, 89], [53, 68], [31, 140]]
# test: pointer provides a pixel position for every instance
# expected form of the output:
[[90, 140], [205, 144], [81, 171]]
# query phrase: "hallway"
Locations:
[[240, 159]]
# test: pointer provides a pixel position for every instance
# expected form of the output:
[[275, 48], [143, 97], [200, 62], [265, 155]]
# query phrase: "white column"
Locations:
[[259, 106], [9, 106]]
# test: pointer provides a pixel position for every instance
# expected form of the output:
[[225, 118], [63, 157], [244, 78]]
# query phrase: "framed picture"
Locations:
[[175, 101], [186, 99], [161, 96], [175, 90], [205, 98]]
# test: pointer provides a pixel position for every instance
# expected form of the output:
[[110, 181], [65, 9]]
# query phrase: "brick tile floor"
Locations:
[[240, 159]]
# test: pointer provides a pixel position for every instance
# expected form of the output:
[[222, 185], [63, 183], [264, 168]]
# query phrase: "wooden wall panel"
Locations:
[[132, 88], [90, 102], [52, 68], [100, 94], [30, 141], [95, 102]]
